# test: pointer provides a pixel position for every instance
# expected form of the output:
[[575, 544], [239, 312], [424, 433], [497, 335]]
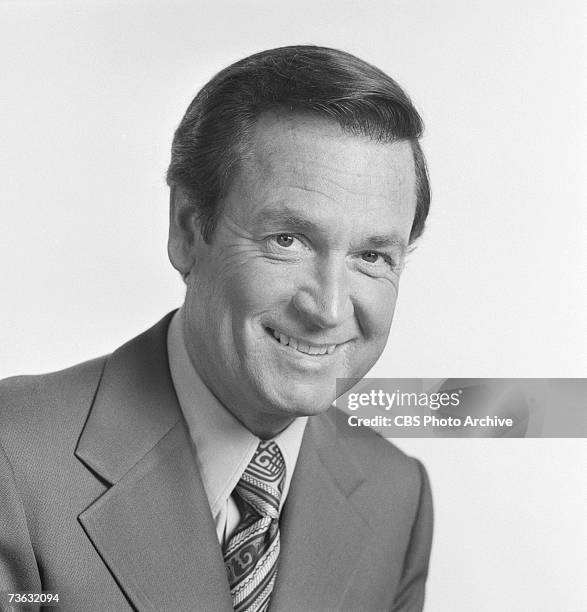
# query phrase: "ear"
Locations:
[[184, 231]]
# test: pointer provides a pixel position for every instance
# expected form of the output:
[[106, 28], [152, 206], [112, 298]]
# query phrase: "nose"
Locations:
[[324, 299]]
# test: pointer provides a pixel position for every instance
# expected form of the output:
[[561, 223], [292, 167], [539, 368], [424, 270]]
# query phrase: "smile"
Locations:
[[301, 346]]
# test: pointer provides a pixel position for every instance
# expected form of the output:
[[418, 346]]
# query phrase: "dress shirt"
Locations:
[[224, 447]]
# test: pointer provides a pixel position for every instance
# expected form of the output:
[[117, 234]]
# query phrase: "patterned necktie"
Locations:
[[251, 554]]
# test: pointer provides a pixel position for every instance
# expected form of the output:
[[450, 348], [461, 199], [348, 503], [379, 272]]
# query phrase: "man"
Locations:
[[198, 467]]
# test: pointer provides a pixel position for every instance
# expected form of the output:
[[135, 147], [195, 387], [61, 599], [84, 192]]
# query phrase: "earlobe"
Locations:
[[184, 231]]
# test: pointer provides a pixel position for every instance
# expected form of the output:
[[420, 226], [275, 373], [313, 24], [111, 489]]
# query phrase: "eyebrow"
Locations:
[[388, 241], [290, 219], [284, 217]]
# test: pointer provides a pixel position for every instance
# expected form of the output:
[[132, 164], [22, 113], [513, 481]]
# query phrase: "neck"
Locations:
[[264, 426]]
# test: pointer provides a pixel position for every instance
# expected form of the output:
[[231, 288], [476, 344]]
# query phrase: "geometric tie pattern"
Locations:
[[251, 554]]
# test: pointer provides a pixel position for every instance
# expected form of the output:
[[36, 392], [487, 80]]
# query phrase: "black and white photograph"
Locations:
[[214, 395]]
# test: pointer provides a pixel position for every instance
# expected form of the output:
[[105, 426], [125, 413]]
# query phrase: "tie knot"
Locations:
[[261, 484]]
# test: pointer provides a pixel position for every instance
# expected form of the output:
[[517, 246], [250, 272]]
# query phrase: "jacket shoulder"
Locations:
[[369, 448], [34, 402], [392, 478]]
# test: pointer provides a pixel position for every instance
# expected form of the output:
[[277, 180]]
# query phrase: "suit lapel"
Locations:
[[322, 534], [153, 526]]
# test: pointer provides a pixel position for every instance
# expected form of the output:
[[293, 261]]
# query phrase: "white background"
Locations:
[[90, 95]]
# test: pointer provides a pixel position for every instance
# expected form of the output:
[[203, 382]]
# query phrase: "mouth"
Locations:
[[301, 346]]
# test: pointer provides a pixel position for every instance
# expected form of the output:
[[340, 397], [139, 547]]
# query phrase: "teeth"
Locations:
[[302, 346]]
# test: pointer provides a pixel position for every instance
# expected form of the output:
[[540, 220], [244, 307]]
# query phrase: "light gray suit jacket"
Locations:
[[101, 501]]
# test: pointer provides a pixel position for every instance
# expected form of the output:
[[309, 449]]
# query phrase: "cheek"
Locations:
[[374, 308], [259, 288]]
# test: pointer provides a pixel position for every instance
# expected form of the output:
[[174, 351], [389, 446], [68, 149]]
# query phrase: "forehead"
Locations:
[[309, 163], [286, 142]]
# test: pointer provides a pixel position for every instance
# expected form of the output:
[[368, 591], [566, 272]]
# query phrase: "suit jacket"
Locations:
[[101, 501]]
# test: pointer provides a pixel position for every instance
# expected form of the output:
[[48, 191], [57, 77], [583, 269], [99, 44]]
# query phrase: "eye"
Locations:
[[376, 260], [370, 256], [284, 240], [278, 244]]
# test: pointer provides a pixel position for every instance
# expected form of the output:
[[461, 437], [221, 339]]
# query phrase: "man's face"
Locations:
[[299, 284]]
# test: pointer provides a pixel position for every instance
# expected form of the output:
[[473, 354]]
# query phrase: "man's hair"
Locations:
[[214, 134]]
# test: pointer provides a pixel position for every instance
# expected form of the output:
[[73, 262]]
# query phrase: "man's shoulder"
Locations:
[[379, 458], [33, 401], [386, 487], [71, 382]]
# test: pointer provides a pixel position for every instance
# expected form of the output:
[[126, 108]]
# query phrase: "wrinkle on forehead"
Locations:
[[315, 155], [290, 142]]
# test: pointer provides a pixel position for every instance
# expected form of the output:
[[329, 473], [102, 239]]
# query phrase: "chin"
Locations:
[[298, 403]]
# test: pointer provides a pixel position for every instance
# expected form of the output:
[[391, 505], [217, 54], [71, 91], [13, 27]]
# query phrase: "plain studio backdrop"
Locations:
[[91, 94]]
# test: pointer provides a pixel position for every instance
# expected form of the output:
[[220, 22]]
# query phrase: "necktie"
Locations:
[[251, 554]]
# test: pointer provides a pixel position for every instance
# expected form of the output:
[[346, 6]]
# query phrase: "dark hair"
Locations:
[[212, 137]]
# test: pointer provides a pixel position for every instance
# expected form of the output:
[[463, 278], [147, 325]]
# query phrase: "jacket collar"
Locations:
[[323, 534], [134, 407], [153, 527]]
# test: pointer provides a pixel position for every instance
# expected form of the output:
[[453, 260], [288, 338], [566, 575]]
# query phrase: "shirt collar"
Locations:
[[224, 447]]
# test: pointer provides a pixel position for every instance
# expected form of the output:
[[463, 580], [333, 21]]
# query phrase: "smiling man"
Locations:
[[199, 465], [298, 283]]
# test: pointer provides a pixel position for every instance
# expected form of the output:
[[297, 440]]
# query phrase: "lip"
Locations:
[[302, 346]]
